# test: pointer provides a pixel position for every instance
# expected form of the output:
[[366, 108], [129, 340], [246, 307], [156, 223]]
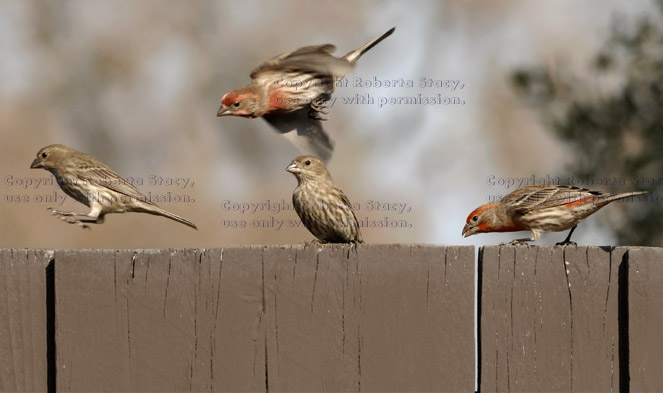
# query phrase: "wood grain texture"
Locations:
[[23, 321], [163, 320], [549, 318], [372, 318], [292, 318], [331, 318], [645, 310]]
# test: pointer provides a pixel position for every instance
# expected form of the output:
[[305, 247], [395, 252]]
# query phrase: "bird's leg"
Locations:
[[517, 242], [568, 241], [80, 218], [523, 242], [62, 213], [353, 247], [318, 109]]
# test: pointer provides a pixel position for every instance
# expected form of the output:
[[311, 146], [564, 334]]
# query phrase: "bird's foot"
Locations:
[[317, 115], [517, 242], [319, 105], [72, 220], [318, 109], [69, 217], [567, 243], [60, 213]]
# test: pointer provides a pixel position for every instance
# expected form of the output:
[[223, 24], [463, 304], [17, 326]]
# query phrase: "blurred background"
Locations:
[[560, 91]]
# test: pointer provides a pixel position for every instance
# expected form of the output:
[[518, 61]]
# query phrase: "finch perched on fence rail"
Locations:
[[290, 90], [323, 208], [539, 209], [91, 182]]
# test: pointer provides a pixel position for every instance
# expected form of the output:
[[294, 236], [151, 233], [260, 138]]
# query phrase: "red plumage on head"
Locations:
[[481, 209], [229, 99]]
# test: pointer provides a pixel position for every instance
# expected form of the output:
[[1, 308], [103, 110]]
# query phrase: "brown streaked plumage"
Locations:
[[290, 90], [94, 184], [539, 209], [323, 208]]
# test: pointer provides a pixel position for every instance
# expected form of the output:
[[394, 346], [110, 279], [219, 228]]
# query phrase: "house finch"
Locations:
[[539, 209], [89, 181], [323, 208], [289, 91]]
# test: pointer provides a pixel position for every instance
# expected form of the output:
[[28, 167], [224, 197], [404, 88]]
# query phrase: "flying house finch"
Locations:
[[539, 209], [323, 208], [89, 181], [289, 91]]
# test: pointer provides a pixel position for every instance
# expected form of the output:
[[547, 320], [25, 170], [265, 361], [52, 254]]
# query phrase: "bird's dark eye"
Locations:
[[43, 155], [308, 162], [475, 218], [236, 104]]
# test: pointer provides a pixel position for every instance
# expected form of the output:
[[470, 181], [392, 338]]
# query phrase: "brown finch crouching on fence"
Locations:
[[92, 183], [539, 209], [323, 208], [290, 90]]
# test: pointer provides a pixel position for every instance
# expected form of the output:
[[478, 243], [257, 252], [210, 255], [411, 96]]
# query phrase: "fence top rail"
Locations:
[[305, 246], [300, 246]]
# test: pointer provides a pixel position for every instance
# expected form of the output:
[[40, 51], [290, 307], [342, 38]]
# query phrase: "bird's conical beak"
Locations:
[[467, 230], [292, 168], [223, 111], [36, 164]]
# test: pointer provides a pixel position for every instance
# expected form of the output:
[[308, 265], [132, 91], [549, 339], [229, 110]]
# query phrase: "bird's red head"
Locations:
[[490, 217], [479, 210], [240, 102], [229, 98], [479, 221]]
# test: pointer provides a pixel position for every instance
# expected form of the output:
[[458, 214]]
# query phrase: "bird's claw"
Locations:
[[60, 213], [517, 242], [318, 105], [567, 243], [68, 217], [318, 109], [318, 115], [80, 223]]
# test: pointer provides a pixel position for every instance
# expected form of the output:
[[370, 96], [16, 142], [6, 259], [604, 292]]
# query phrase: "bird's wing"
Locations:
[[103, 176], [304, 132], [355, 222], [536, 197], [347, 203], [314, 59], [296, 89]]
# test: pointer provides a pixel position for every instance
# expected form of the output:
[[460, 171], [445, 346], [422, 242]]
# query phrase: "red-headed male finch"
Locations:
[[323, 208], [290, 90], [539, 209], [89, 181]]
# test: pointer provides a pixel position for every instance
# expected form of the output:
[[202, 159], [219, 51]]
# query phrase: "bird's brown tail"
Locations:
[[157, 211], [624, 196], [354, 55]]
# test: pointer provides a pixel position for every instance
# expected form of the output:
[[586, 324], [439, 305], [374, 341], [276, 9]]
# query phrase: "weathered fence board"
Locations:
[[549, 318], [374, 318], [645, 311], [302, 318], [181, 320], [23, 320], [331, 318]]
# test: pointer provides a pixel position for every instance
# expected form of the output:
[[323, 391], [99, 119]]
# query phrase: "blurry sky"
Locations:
[[137, 85]]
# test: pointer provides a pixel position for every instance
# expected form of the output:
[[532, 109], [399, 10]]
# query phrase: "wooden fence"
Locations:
[[332, 318]]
